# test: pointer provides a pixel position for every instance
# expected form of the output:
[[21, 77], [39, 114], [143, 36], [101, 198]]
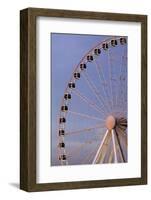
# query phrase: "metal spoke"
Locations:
[[110, 156], [89, 157], [110, 76], [98, 151], [77, 151], [114, 147], [100, 72], [89, 102], [105, 149], [85, 115], [84, 130], [120, 114], [94, 90], [112, 58], [117, 141], [122, 135], [120, 81]]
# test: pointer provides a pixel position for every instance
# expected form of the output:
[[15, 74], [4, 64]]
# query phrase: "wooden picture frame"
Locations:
[[28, 98]]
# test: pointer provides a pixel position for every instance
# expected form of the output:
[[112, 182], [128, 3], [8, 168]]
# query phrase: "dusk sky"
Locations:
[[66, 52]]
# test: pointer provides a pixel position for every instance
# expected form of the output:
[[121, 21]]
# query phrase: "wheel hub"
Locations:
[[110, 122]]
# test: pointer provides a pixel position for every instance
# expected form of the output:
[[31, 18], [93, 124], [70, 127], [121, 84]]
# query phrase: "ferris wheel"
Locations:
[[92, 119]]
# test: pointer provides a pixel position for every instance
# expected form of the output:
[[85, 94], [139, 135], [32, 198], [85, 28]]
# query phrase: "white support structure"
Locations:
[[110, 157], [100, 147], [118, 147], [105, 149], [115, 155], [114, 146]]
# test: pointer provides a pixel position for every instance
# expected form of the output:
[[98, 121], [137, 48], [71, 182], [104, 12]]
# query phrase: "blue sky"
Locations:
[[66, 52]]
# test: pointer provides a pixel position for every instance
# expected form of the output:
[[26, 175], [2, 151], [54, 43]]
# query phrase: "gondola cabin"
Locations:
[[62, 120], [113, 43], [62, 157], [105, 46], [77, 75], [97, 51], [122, 40], [89, 58], [67, 96], [64, 108], [61, 145], [83, 66], [61, 132], [71, 85]]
